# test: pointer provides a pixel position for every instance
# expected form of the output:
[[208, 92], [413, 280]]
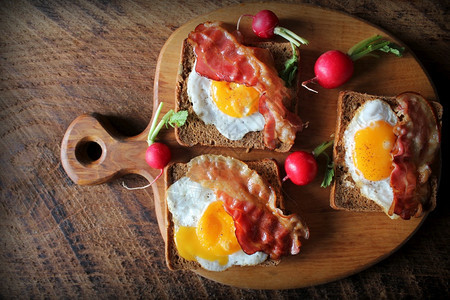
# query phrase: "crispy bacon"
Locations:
[[260, 225], [221, 56], [418, 139], [269, 125]]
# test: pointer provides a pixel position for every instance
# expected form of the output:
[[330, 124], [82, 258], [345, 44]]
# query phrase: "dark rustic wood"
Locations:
[[58, 239]]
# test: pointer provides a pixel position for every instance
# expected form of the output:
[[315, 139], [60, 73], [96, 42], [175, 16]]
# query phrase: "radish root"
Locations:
[[142, 187]]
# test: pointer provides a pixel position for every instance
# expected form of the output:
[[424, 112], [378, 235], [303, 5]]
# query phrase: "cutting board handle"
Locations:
[[93, 152]]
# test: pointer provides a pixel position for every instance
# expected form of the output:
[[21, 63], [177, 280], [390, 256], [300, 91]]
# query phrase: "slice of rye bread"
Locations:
[[344, 194], [266, 168], [195, 131]]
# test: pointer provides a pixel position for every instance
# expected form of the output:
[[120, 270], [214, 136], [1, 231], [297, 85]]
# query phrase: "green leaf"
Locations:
[[394, 49], [178, 118], [329, 171], [290, 68], [329, 174]]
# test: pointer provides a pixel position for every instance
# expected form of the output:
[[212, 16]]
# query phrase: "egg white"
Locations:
[[198, 89], [187, 200], [378, 191]]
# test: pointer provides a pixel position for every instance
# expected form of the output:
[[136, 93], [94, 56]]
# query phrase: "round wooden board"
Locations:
[[341, 243]]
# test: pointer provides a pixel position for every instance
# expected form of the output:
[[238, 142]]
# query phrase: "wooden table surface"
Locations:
[[59, 60]]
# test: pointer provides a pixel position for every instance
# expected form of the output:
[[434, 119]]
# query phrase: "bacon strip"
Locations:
[[260, 225], [220, 56], [418, 139]]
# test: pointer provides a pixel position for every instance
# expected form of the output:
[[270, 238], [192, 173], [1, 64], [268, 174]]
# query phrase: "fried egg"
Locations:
[[204, 231], [231, 107], [369, 139]]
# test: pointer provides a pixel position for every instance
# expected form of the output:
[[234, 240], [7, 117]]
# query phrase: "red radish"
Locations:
[[301, 166], [265, 25], [158, 155], [333, 68]]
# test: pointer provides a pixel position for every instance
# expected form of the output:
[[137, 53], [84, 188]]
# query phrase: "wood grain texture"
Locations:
[[61, 59]]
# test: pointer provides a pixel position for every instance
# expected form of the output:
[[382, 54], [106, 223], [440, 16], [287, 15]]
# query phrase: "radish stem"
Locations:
[[155, 119], [360, 45], [322, 147], [371, 44], [369, 49], [290, 36], [152, 135]]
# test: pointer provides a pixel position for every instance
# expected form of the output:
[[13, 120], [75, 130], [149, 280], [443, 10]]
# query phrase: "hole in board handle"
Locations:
[[90, 151]]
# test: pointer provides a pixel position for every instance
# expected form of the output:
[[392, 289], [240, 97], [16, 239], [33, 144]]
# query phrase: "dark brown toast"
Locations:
[[344, 194], [195, 131], [266, 168]]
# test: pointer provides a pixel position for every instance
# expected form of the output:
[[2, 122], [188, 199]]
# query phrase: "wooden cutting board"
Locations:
[[340, 243]]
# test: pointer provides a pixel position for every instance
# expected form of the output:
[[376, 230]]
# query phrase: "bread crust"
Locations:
[[344, 195], [266, 168], [195, 131]]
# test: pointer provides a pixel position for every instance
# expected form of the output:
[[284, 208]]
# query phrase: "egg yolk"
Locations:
[[213, 239], [235, 100], [372, 155]]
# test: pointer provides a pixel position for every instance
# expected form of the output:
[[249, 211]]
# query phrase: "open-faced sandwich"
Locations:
[[223, 212], [233, 92], [383, 152]]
